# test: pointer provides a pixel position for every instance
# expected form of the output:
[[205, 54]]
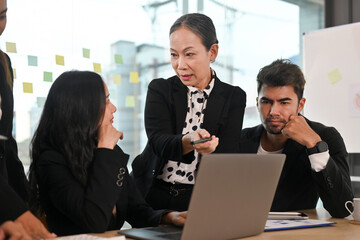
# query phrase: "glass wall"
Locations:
[[127, 42]]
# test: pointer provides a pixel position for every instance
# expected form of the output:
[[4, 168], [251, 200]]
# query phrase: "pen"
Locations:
[[287, 216]]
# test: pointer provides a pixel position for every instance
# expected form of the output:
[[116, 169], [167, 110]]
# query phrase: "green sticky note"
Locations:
[[11, 47], [86, 53], [134, 77], [27, 87], [14, 73], [130, 101], [334, 76], [60, 60], [117, 79], [118, 59], [48, 77], [97, 67], [40, 101], [32, 60]]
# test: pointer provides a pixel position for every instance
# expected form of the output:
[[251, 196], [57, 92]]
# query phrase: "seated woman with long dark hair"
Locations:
[[78, 173]]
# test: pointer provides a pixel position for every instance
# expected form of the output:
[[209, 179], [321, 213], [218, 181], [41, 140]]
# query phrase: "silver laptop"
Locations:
[[231, 199]]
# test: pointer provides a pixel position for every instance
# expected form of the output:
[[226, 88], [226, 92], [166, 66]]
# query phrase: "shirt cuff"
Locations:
[[319, 161]]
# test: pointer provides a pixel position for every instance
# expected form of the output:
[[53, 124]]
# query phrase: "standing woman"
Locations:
[[194, 104], [78, 174], [13, 182]]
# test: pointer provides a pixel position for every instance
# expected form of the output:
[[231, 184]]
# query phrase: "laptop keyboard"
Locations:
[[166, 229], [171, 236]]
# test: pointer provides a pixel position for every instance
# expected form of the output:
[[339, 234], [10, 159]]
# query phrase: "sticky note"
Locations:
[[118, 59], [32, 60], [130, 101], [97, 67], [14, 73], [27, 87], [40, 101], [334, 76], [134, 77], [48, 77], [117, 79], [86, 53], [60, 60], [357, 100], [113, 94], [11, 47]]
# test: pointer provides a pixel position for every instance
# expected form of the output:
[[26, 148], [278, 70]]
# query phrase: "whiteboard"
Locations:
[[331, 64]]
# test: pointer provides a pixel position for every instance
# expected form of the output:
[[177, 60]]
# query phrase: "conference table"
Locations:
[[345, 229]]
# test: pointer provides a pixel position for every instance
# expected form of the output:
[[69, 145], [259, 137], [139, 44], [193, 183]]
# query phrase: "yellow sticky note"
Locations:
[[86, 53], [130, 101], [97, 67], [117, 79], [14, 73], [334, 76], [27, 87], [134, 77], [11, 47], [60, 60]]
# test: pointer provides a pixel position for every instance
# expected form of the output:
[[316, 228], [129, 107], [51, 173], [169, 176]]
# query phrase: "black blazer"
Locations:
[[72, 208], [299, 186], [165, 112], [13, 183]]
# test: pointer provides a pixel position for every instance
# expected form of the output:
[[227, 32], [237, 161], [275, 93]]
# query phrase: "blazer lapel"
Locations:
[[255, 139], [179, 104], [214, 108]]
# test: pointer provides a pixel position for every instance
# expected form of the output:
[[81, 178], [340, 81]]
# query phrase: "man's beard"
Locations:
[[271, 130]]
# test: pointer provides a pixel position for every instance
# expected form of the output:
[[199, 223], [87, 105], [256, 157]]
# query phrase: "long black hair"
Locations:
[[69, 124], [4, 62]]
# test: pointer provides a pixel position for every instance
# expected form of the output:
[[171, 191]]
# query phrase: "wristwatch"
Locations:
[[319, 148]]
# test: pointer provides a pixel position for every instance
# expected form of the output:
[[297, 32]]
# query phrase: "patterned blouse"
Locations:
[[178, 172]]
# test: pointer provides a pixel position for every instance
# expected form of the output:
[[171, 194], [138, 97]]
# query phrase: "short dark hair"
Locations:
[[282, 72], [199, 24]]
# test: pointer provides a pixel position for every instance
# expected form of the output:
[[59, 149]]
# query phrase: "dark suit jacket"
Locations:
[[299, 186], [13, 183], [165, 112], [72, 208]]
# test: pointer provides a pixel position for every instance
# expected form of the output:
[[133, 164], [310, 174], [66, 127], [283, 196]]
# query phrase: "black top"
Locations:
[[13, 182], [299, 186], [72, 208], [165, 113]]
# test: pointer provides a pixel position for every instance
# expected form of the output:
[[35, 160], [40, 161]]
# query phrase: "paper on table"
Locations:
[[89, 237], [272, 225]]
